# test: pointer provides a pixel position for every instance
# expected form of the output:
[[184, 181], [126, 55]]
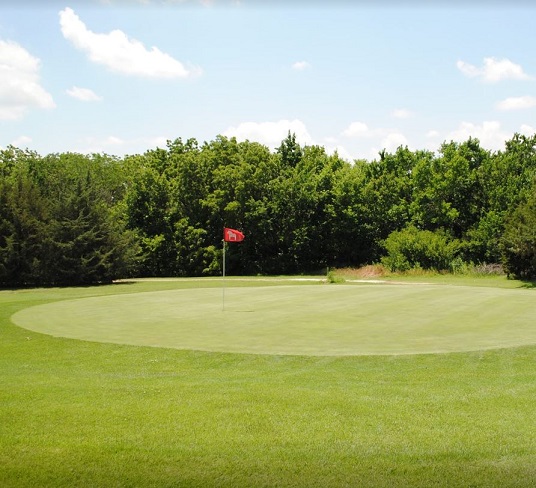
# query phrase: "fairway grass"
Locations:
[[81, 413], [299, 320]]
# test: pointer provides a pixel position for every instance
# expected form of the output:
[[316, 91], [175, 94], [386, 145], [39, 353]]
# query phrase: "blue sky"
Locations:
[[122, 77]]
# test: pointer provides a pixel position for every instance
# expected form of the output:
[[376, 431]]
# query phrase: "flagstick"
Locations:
[[223, 294]]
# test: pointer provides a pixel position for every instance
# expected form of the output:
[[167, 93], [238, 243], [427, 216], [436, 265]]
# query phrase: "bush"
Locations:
[[413, 248], [460, 267]]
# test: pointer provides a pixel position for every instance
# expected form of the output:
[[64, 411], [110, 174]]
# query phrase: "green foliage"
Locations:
[[385, 199], [333, 277], [519, 240], [59, 224], [447, 192], [483, 239], [290, 151], [414, 248], [68, 216]]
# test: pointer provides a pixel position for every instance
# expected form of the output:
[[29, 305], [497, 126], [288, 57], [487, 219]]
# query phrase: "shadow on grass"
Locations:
[[528, 284], [30, 286]]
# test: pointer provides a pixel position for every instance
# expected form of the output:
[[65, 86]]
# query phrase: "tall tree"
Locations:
[[505, 178], [23, 230], [448, 192], [386, 197], [519, 239]]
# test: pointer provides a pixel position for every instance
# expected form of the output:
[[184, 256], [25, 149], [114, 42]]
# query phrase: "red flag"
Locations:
[[232, 235]]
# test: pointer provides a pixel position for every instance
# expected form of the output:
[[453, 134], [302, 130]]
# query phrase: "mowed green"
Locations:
[[81, 413], [322, 320]]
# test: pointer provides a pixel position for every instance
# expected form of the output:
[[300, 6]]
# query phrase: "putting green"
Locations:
[[302, 320]]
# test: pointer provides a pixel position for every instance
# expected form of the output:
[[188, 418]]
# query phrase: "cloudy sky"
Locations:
[[124, 76]]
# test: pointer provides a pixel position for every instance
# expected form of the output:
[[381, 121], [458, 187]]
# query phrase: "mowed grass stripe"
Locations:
[[299, 320]]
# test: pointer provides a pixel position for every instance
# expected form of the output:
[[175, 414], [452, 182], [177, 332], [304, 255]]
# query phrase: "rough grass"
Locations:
[[77, 413], [484, 275]]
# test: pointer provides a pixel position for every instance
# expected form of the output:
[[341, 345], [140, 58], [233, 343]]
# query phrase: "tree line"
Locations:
[[73, 219]]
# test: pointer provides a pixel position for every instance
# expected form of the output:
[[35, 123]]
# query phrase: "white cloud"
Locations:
[[19, 82], [516, 103], [494, 70], [300, 65], [468, 69], [114, 141], [97, 144], [393, 141], [270, 133], [527, 130], [120, 53], [359, 129], [331, 146], [388, 139], [341, 151], [490, 134], [121, 146], [83, 94], [432, 134], [21, 141], [402, 113]]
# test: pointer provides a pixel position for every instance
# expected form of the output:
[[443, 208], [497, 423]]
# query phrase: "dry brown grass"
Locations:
[[369, 271]]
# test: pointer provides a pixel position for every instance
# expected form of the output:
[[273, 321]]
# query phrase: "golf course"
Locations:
[[269, 382], [288, 319]]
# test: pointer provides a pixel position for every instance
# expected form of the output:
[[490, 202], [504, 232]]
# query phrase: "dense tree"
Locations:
[[519, 239], [447, 193], [72, 218], [59, 222], [23, 230], [349, 244], [505, 178], [386, 198]]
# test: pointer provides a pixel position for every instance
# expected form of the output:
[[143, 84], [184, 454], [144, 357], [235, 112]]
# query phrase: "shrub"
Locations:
[[332, 277], [413, 248]]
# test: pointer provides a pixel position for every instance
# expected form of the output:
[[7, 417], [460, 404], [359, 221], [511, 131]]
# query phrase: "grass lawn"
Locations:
[[81, 413], [353, 319]]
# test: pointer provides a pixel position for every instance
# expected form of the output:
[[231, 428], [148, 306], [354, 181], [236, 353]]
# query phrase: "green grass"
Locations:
[[77, 413], [293, 319]]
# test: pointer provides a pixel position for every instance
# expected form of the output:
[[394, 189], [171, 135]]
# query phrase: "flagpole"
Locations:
[[223, 293], [229, 235]]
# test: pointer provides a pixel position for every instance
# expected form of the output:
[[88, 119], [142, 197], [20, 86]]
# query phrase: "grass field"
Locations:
[[82, 413], [352, 319]]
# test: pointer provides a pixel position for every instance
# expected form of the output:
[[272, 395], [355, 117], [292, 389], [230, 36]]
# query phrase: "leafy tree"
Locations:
[[386, 198], [519, 240], [290, 151], [448, 193], [508, 177], [84, 218], [504, 180], [350, 243], [482, 242], [148, 212]]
